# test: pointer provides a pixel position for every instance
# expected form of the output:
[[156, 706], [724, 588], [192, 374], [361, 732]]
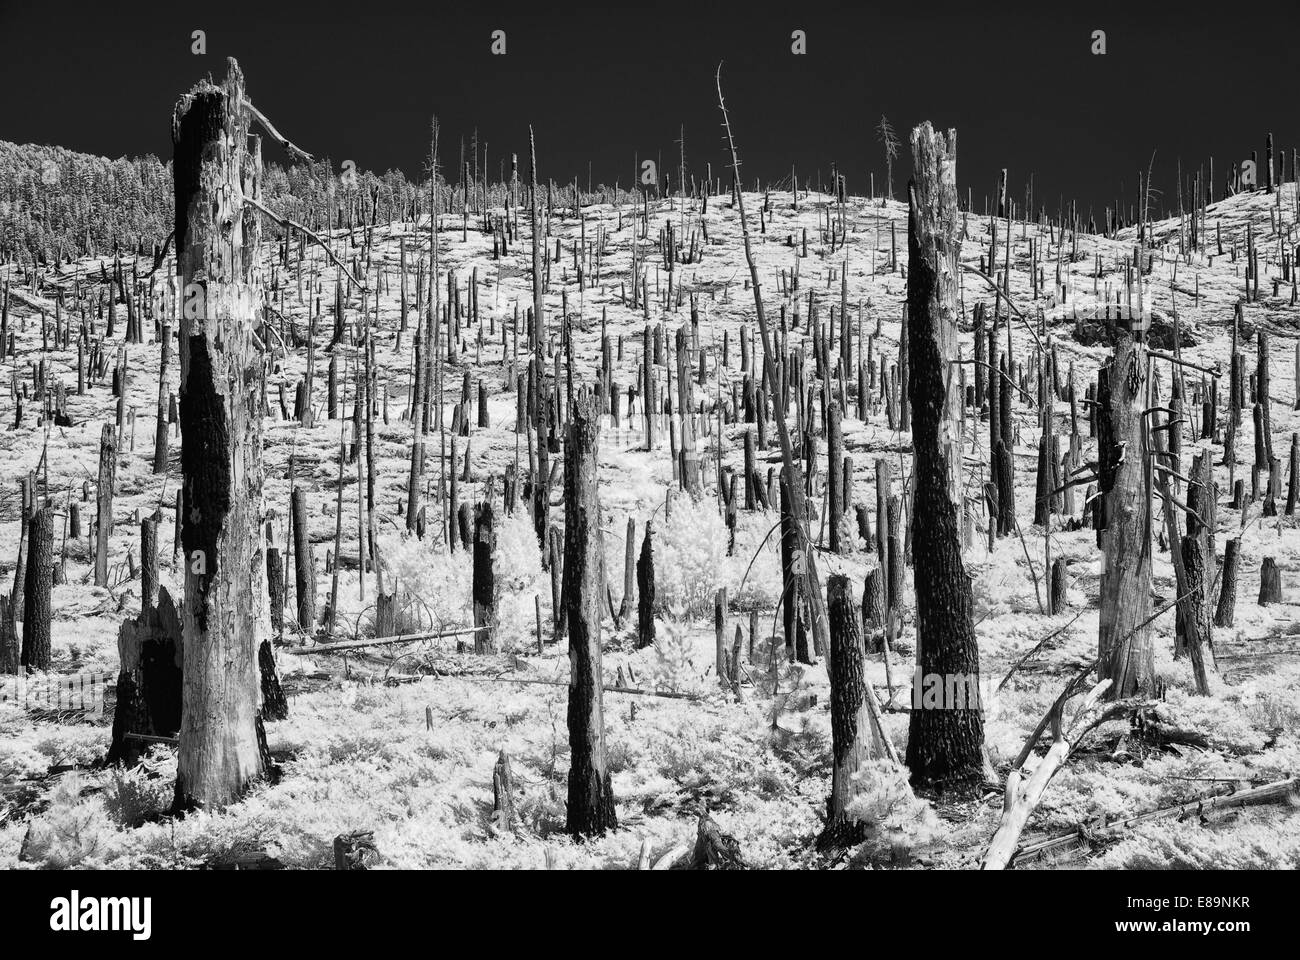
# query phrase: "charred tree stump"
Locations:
[[874, 610], [484, 584], [591, 797], [1293, 489], [894, 564], [36, 595], [1056, 592], [1223, 613], [10, 649], [225, 615], [1270, 586], [945, 745], [503, 794], [835, 475], [355, 851], [275, 705], [1125, 652], [149, 688], [714, 850], [645, 589], [304, 564], [275, 588], [629, 572], [852, 730], [792, 576], [160, 428], [1006, 490], [104, 502], [1196, 616]]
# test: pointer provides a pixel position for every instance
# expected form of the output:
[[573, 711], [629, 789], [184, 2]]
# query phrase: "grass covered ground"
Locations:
[[402, 741]]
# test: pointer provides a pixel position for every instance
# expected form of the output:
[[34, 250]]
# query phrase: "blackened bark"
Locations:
[[1125, 648], [275, 588], [36, 595], [645, 590], [149, 680], [484, 586], [944, 745], [215, 166], [591, 798], [1196, 616], [835, 475], [1270, 585], [1223, 614], [304, 564], [792, 576], [275, 705], [850, 719]]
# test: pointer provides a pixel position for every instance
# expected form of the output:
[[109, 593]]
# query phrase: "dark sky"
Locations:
[[603, 82]]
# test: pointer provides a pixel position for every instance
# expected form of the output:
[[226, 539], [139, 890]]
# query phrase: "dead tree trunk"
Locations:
[[645, 590], [148, 562], [1270, 586], [275, 588], [36, 595], [304, 564], [149, 679], [790, 467], [852, 731], [104, 502], [10, 649], [629, 571], [1224, 612], [222, 744], [484, 584], [1196, 616], [945, 741], [591, 798], [792, 579], [1124, 639], [692, 480], [835, 475], [160, 429]]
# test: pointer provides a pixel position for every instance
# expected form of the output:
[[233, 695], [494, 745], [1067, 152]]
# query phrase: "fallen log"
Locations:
[[309, 650], [1020, 803], [1200, 806]]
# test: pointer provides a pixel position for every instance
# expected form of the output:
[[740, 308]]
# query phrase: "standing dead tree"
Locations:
[[889, 140], [36, 595], [104, 503], [216, 168], [806, 554], [1124, 640], [591, 798], [945, 740], [854, 738]]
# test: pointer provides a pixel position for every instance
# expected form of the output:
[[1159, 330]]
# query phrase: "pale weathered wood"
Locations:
[[1022, 795], [225, 613], [1124, 640]]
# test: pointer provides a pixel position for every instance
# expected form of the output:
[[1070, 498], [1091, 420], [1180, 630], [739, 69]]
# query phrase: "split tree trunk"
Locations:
[[149, 680], [222, 744]]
